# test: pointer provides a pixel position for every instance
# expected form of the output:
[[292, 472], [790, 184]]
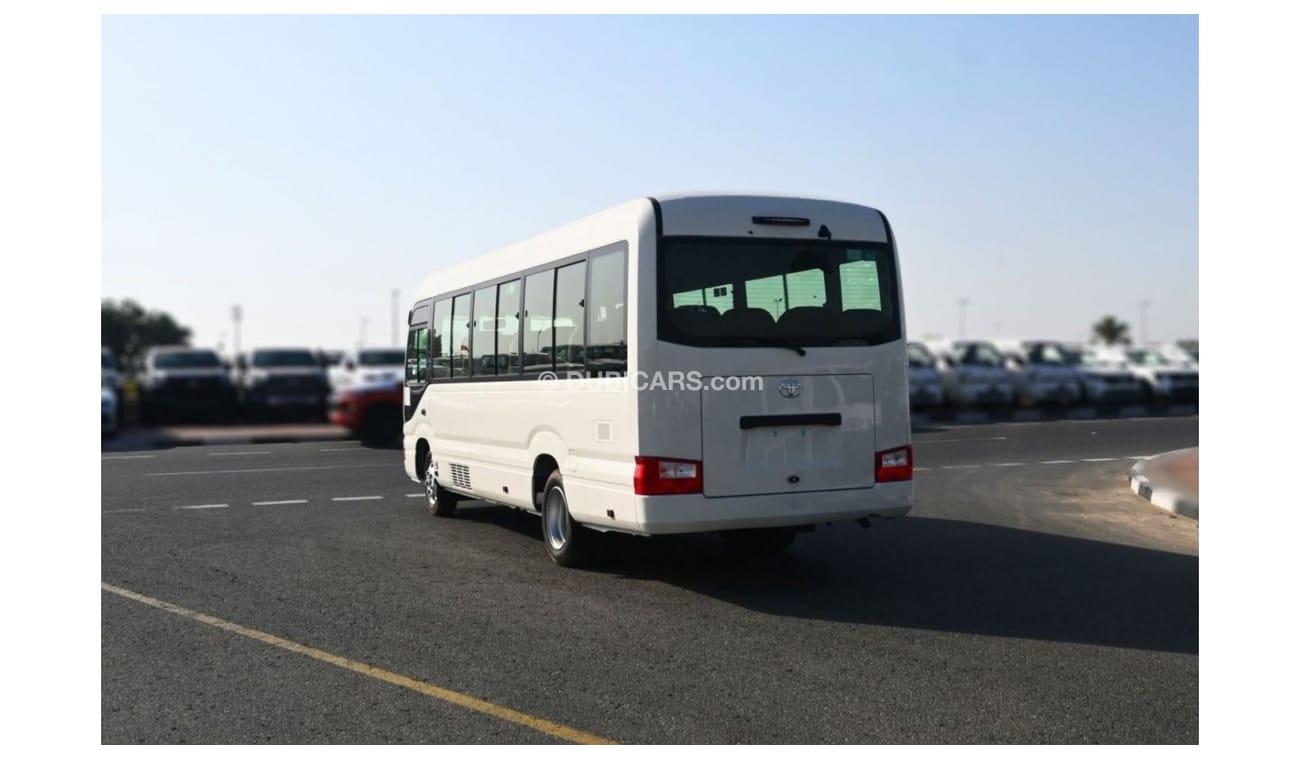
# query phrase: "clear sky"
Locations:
[[1045, 168]]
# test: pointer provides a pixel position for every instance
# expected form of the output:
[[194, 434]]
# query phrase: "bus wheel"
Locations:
[[758, 542], [442, 503], [568, 544]]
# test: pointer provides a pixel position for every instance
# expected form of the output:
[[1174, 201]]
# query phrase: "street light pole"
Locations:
[[236, 316], [1142, 322], [396, 331], [962, 303]]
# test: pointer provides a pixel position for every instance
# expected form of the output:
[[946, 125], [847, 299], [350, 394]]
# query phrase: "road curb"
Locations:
[[1164, 496]]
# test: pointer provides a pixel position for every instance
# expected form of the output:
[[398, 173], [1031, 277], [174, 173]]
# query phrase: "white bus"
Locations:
[[683, 364]]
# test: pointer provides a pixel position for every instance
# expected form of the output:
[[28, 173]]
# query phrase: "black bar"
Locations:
[[782, 221], [788, 420]]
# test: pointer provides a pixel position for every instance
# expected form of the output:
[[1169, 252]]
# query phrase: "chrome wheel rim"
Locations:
[[430, 488], [557, 522]]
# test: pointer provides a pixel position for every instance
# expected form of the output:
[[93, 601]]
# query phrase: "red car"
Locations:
[[372, 411]]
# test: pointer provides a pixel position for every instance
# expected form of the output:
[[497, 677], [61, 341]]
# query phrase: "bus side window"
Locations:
[[440, 361], [459, 344], [539, 337], [607, 343], [507, 326], [570, 290]]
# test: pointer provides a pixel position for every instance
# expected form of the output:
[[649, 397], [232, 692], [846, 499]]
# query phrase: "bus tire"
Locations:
[[442, 503], [567, 543]]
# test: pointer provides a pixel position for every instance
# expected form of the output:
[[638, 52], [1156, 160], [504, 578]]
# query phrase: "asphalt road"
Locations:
[[1030, 597]]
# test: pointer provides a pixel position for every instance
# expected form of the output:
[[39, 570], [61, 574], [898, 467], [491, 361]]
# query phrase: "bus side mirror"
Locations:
[[349, 365]]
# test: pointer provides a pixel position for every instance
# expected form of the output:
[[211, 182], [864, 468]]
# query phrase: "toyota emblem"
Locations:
[[790, 388]]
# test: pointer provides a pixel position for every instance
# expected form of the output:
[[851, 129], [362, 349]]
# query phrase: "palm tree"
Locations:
[[1111, 331]]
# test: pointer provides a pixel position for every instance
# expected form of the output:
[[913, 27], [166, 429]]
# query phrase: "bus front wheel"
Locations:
[[442, 503]]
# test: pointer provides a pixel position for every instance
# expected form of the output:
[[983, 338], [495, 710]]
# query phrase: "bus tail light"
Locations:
[[894, 465], [655, 476]]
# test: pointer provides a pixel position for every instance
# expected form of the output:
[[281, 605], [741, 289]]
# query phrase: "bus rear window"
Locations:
[[744, 292]]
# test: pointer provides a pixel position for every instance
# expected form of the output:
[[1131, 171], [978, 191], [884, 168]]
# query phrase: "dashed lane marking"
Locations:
[[204, 506], [541, 725], [267, 469], [356, 498], [916, 441], [237, 453], [280, 501], [130, 456]]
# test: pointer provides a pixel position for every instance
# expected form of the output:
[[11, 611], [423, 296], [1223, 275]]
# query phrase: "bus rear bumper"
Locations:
[[696, 513]]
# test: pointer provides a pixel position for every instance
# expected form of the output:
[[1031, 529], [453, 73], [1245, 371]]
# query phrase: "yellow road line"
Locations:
[[437, 692]]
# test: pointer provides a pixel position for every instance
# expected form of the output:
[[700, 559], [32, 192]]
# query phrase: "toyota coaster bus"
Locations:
[[689, 363]]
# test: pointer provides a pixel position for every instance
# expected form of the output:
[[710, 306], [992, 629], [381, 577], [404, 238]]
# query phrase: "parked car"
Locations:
[[370, 365], [179, 382], [371, 410], [1043, 373], [1184, 354], [1165, 380], [109, 376], [976, 374], [924, 380], [1107, 378], [107, 411], [276, 381]]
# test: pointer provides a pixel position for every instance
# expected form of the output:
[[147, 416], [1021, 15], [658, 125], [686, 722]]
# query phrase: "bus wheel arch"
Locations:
[[421, 458], [543, 466]]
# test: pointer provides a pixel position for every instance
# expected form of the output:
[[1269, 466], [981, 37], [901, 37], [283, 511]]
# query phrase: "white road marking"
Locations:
[[1009, 464], [914, 469], [1101, 459], [204, 506], [120, 511], [130, 456], [351, 448], [418, 495], [266, 469], [356, 498], [1058, 461], [957, 440], [281, 501], [237, 453], [960, 467]]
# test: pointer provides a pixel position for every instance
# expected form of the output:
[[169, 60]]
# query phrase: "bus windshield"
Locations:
[[747, 292]]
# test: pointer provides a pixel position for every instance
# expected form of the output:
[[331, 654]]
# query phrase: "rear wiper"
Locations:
[[778, 344]]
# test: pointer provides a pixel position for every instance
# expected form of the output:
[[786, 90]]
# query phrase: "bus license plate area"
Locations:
[[779, 440]]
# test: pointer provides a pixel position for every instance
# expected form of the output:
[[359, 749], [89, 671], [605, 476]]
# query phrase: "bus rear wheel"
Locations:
[[567, 543]]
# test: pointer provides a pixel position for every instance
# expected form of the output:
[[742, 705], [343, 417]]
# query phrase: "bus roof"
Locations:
[[706, 214]]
